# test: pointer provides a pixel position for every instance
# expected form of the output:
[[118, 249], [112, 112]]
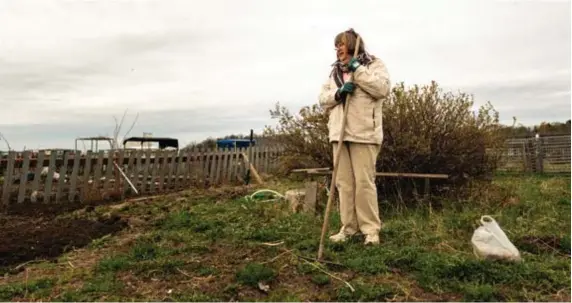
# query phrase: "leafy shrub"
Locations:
[[304, 138], [425, 131]]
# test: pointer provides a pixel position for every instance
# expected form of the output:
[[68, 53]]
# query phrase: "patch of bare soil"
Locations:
[[32, 238], [51, 210]]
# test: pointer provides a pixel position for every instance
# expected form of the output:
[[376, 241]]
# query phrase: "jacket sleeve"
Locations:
[[327, 98], [374, 79]]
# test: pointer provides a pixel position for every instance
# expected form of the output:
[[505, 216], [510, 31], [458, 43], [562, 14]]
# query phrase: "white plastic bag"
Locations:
[[490, 242]]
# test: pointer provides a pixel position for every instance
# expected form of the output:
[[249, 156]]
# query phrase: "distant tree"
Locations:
[[117, 130]]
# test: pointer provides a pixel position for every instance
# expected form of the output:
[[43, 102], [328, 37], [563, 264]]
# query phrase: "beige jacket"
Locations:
[[364, 121]]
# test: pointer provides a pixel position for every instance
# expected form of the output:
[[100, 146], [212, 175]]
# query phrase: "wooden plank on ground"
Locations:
[[305, 170], [24, 176], [321, 171]]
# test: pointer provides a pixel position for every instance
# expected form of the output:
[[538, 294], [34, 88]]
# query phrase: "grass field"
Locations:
[[217, 246]]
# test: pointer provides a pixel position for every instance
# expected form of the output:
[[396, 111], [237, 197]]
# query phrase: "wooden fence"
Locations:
[[537, 155], [54, 178]]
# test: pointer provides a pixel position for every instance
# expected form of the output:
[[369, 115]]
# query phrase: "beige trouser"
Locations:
[[355, 182]]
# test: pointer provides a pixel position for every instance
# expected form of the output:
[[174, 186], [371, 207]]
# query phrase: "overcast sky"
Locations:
[[194, 69]]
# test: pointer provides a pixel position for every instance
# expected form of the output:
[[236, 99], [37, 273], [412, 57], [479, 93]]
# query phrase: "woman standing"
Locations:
[[363, 135]]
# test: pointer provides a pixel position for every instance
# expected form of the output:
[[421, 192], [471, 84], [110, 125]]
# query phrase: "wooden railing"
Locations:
[[53, 178]]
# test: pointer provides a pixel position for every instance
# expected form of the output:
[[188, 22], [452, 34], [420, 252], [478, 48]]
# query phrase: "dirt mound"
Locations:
[[27, 238]]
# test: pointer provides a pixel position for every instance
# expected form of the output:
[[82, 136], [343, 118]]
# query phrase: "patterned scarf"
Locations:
[[339, 68]]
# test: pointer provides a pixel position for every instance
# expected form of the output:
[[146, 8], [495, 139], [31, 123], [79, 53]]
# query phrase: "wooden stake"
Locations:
[[253, 170], [125, 177]]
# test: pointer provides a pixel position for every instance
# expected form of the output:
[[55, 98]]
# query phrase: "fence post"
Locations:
[[539, 155], [525, 158]]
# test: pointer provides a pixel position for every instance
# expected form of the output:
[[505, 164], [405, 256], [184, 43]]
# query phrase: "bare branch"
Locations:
[[115, 132], [119, 126], [7, 143], [131, 127], [121, 122]]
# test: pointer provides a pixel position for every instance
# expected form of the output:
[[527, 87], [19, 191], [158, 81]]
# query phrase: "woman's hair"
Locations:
[[349, 38]]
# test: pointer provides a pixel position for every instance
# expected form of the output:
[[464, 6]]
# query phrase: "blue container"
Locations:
[[232, 143]]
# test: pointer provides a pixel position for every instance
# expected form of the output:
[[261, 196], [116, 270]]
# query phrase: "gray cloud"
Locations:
[[531, 101], [67, 67]]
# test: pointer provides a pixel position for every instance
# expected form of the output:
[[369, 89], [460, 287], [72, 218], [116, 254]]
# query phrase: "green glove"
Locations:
[[343, 91], [353, 64]]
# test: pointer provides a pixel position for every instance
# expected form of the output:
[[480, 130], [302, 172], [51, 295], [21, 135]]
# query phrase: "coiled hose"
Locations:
[[277, 194]]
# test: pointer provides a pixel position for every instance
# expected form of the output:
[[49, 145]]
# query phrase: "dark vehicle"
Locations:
[[145, 142]]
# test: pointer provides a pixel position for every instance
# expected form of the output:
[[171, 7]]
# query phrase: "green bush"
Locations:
[[425, 130]]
